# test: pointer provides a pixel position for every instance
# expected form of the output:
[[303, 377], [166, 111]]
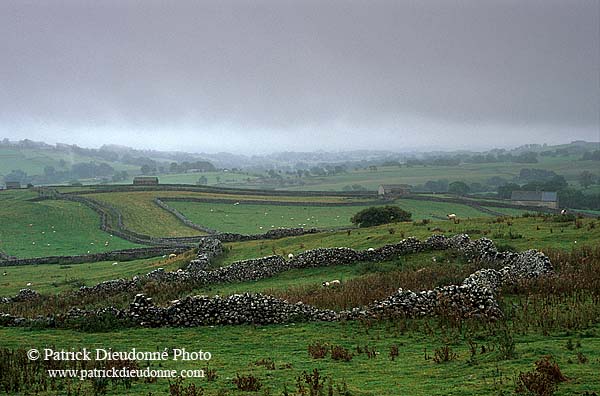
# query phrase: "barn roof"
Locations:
[[543, 196]]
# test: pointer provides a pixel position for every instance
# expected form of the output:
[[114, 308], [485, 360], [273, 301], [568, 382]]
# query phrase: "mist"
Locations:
[[265, 76]]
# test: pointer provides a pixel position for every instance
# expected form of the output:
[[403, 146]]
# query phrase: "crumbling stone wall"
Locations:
[[475, 297]]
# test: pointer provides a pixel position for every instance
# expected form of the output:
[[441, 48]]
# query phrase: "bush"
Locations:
[[377, 215], [318, 350], [338, 352], [543, 380], [248, 383]]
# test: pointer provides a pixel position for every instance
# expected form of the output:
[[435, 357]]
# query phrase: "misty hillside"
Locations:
[[32, 162]]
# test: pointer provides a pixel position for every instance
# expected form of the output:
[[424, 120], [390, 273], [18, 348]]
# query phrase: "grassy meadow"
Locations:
[[239, 350], [143, 215], [56, 278], [247, 218], [556, 316], [437, 356], [51, 228]]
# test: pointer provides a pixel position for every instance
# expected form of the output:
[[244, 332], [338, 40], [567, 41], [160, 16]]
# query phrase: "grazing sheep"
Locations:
[[370, 250], [4, 273], [290, 256], [451, 216], [172, 256], [115, 263], [29, 283], [333, 283], [563, 212]]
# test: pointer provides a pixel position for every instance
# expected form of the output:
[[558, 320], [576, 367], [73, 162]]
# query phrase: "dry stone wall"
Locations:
[[475, 297]]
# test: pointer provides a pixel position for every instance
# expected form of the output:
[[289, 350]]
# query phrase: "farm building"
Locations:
[[145, 181], [548, 199], [393, 190], [12, 185]]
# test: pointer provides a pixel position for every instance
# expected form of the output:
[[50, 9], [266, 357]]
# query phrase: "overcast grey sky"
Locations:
[[269, 75]]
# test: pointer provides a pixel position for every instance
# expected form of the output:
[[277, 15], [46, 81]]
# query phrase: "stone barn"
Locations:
[[393, 190], [548, 199], [145, 181], [10, 185]]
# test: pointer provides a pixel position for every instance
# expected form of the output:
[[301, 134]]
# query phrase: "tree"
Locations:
[[16, 175], [377, 215], [586, 178], [506, 190], [458, 188], [202, 180], [145, 169]]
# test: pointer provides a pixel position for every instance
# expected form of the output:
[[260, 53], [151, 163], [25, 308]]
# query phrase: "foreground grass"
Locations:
[[51, 228], [237, 349]]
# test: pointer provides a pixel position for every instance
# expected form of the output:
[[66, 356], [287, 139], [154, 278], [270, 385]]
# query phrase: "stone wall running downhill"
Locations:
[[475, 297]]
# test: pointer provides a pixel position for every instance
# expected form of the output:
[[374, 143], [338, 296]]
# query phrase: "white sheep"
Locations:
[[451, 216], [333, 283], [290, 256], [29, 283], [115, 263], [370, 250], [172, 256]]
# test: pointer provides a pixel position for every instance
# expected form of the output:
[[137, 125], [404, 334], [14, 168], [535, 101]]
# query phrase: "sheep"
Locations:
[[115, 263], [333, 283], [451, 216], [290, 256], [563, 212], [370, 250], [4, 273], [29, 283], [172, 256]]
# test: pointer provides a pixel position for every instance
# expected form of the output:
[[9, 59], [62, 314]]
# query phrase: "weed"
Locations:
[[248, 383], [543, 380], [444, 354], [338, 352], [394, 352], [318, 350]]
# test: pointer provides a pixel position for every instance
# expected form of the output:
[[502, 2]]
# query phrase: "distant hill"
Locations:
[[27, 161], [41, 163]]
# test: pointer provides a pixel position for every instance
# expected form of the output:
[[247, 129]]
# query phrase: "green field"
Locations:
[[255, 219], [237, 349], [141, 214], [55, 278], [51, 228], [565, 236], [543, 321]]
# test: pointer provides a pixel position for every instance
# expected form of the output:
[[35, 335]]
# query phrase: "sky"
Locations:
[[280, 75]]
